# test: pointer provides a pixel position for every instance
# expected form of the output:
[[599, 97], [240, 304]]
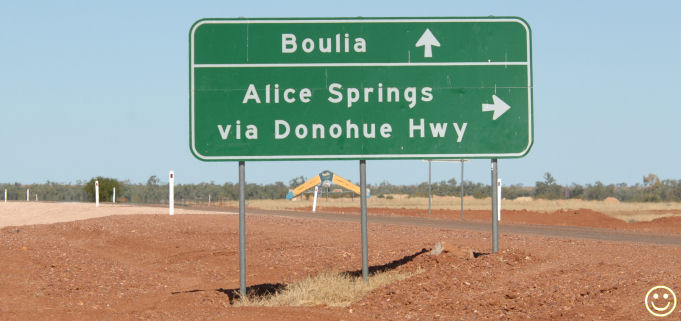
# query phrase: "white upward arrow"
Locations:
[[428, 40], [499, 107]]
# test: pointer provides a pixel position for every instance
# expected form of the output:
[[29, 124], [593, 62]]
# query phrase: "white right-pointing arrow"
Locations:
[[499, 107], [428, 40]]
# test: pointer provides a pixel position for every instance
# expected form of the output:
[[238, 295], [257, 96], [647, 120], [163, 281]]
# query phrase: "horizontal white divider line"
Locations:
[[363, 20], [363, 64]]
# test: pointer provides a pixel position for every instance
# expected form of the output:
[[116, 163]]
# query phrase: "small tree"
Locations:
[[296, 182], [548, 189], [153, 192], [153, 180], [106, 186], [653, 188], [599, 191]]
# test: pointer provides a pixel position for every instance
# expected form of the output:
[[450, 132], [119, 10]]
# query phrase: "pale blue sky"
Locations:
[[93, 88]]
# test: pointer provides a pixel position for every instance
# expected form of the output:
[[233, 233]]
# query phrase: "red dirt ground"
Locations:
[[185, 267], [579, 217]]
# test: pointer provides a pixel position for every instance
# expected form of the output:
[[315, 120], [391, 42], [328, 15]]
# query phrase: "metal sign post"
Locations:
[[430, 185], [242, 228], [363, 205], [462, 161], [495, 206]]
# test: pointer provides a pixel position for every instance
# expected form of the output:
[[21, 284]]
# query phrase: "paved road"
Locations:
[[569, 232]]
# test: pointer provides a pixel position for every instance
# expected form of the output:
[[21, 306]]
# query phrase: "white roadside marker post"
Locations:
[[499, 199], [314, 200], [27, 195], [96, 193], [5, 195], [113, 198], [171, 193]]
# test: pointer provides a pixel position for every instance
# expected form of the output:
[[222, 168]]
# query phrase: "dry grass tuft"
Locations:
[[339, 290]]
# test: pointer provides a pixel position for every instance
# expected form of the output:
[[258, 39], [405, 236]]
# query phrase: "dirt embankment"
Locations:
[[579, 217], [185, 267]]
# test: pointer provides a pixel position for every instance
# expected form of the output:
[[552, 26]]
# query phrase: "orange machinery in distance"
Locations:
[[325, 178]]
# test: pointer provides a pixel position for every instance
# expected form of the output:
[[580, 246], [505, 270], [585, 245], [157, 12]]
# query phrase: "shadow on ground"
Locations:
[[266, 289]]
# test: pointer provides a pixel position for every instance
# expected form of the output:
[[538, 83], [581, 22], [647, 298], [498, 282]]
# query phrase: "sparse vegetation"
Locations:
[[652, 189], [106, 186], [49, 191], [548, 189], [332, 289]]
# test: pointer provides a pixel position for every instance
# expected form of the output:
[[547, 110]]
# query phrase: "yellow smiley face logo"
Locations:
[[660, 301]]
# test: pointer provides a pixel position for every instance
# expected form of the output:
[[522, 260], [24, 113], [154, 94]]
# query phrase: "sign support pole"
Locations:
[[242, 229], [363, 205], [429, 184], [499, 199], [462, 189], [495, 206]]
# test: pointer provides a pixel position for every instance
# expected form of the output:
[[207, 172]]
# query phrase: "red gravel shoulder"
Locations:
[[185, 267]]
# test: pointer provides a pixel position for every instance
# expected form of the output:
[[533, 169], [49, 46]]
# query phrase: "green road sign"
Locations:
[[369, 88]]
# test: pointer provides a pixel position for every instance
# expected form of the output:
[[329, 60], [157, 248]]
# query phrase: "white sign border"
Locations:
[[193, 66]]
